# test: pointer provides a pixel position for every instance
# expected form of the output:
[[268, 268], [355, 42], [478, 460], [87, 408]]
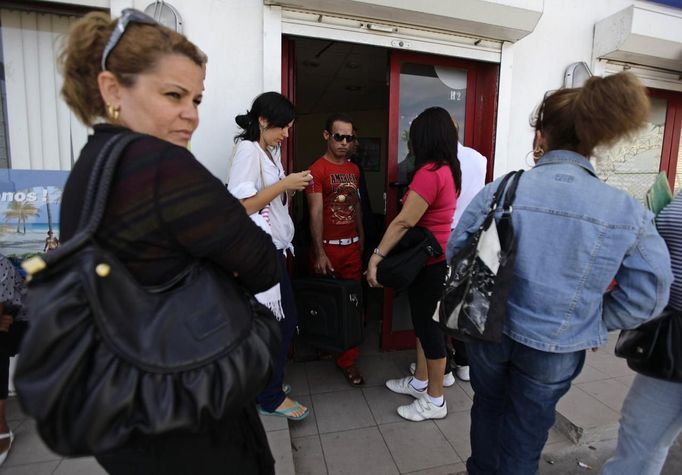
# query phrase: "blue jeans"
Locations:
[[516, 389], [650, 421], [272, 396]]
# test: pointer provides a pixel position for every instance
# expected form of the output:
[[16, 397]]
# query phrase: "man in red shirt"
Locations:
[[336, 218]]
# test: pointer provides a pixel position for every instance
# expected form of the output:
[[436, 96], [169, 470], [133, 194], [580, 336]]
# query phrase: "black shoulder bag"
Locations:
[[654, 348], [106, 358], [402, 265], [474, 302]]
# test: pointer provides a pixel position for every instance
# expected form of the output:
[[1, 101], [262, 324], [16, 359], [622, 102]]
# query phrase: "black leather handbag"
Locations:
[[654, 348], [106, 358], [402, 265], [474, 302]]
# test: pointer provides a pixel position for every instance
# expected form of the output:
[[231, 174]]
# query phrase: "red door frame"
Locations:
[[481, 108], [288, 91], [671, 132]]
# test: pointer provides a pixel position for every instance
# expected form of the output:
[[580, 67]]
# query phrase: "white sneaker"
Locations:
[[10, 435], [422, 409], [448, 379], [463, 373], [403, 386]]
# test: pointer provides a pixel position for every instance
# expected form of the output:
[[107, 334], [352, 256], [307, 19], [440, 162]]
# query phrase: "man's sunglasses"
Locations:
[[341, 138], [128, 15]]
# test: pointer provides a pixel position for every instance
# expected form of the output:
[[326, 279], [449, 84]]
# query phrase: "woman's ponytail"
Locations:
[[609, 109], [249, 125], [79, 63], [602, 112]]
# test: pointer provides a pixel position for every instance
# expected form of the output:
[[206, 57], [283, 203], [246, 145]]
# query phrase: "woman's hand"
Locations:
[[297, 181], [372, 271]]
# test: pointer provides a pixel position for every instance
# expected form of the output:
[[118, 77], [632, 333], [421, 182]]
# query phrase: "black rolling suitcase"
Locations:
[[329, 312]]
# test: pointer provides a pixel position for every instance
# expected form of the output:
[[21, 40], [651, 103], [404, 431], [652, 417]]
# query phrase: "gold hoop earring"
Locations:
[[113, 112], [538, 152]]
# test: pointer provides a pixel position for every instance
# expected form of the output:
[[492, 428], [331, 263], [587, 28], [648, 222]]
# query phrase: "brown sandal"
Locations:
[[353, 375]]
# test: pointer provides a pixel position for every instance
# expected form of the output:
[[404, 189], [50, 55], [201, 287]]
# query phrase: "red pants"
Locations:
[[347, 264], [346, 260]]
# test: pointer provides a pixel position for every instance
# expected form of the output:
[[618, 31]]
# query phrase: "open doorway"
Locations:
[[383, 90], [331, 77]]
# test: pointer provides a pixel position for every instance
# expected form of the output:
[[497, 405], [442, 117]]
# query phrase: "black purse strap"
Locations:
[[511, 192], [100, 181], [96, 196], [497, 196], [108, 154]]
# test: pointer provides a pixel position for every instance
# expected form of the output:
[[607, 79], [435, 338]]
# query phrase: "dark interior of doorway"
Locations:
[[332, 76]]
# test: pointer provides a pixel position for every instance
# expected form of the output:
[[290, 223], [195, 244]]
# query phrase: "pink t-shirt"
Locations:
[[437, 188]]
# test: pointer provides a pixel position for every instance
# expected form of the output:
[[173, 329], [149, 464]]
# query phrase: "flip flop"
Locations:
[[287, 412]]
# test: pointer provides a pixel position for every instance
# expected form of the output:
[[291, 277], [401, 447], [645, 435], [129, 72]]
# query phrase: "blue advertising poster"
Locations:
[[29, 211]]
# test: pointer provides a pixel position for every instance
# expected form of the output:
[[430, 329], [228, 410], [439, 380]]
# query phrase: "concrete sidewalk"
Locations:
[[29, 456], [357, 431]]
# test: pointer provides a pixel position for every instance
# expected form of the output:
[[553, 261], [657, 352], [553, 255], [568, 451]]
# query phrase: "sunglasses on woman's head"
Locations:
[[128, 15], [341, 138]]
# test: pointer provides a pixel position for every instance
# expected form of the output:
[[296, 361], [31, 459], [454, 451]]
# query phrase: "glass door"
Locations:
[[467, 90]]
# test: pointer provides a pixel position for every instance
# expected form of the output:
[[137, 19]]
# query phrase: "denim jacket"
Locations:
[[574, 235]]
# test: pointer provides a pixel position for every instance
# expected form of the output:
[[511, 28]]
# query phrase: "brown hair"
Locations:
[[602, 112], [138, 51]]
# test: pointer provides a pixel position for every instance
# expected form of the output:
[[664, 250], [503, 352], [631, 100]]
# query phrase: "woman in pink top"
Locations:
[[429, 203]]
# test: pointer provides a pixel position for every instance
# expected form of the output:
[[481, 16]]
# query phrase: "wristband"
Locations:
[[378, 253]]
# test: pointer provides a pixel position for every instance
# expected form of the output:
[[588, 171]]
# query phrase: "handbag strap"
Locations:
[[497, 196], [94, 180], [511, 192], [96, 196], [100, 181]]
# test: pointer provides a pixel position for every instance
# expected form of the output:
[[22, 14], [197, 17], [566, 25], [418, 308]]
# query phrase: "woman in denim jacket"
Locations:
[[575, 235]]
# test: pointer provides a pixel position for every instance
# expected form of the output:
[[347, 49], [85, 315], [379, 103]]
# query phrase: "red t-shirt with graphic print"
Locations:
[[340, 197]]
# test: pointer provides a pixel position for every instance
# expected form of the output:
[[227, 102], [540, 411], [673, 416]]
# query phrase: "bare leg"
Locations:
[[436, 370], [4, 428], [421, 371]]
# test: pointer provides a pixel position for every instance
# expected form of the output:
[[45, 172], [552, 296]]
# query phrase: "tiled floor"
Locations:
[[357, 430], [29, 456]]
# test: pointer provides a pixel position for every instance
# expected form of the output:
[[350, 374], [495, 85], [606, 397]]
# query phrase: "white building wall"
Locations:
[[230, 32], [240, 49], [245, 60], [536, 64]]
